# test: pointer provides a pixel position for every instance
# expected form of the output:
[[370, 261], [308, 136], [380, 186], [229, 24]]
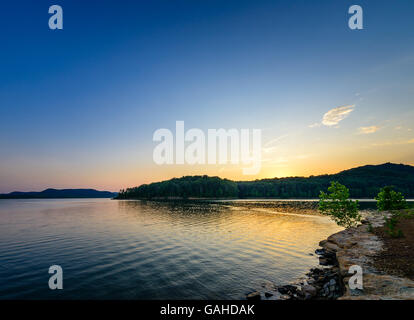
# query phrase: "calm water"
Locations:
[[145, 250]]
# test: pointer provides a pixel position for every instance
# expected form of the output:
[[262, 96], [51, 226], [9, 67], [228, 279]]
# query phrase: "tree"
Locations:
[[338, 206], [389, 199]]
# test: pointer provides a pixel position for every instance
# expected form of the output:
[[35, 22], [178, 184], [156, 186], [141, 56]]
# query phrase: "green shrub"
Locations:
[[390, 226], [389, 199], [338, 206]]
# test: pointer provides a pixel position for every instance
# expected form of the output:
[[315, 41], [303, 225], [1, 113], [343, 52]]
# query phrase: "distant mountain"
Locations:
[[55, 193], [363, 182]]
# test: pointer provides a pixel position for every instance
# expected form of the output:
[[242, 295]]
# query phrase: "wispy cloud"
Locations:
[[269, 149], [392, 143], [368, 130], [336, 115], [315, 125], [269, 143]]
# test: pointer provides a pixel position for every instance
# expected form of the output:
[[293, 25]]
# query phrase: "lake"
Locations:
[[112, 249]]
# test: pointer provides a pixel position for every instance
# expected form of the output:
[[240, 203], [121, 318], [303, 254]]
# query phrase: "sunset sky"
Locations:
[[79, 106]]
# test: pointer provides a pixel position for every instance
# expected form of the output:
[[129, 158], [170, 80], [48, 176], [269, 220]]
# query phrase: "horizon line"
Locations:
[[177, 177]]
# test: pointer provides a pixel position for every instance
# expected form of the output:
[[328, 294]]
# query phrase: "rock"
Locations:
[[268, 294], [317, 287], [291, 288], [320, 251], [331, 246], [354, 246], [311, 290], [308, 296], [288, 290], [387, 287], [326, 290], [357, 246], [253, 296], [282, 290]]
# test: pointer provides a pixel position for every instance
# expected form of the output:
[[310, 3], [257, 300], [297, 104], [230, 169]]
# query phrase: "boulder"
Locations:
[[320, 251], [322, 243], [331, 246], [253, 296], [311, 290], [282, 290]]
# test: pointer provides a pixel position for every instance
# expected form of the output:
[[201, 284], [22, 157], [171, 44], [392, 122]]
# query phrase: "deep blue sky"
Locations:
[[78, 106]]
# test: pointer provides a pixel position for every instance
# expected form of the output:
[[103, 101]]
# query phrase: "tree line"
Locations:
[[363, 182]]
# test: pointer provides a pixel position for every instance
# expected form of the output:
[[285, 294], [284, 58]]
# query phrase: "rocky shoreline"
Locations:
[[329, 281], [321, 283]]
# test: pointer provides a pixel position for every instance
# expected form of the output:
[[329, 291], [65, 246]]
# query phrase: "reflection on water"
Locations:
[[147, 250]]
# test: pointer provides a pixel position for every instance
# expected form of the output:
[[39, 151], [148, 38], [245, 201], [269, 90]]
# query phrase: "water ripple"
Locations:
[[148, 250]]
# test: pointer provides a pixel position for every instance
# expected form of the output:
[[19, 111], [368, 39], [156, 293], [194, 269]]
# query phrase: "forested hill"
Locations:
[[363, 182], [55, 194]]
